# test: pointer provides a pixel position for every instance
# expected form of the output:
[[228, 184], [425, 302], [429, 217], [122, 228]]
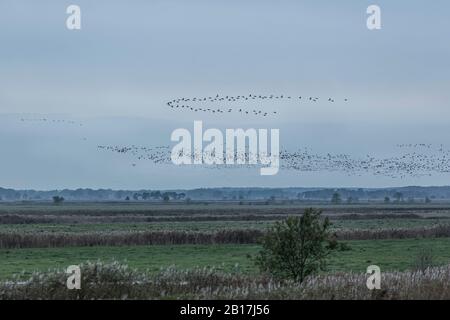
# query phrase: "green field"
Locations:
[[388, 254], [99, 219]]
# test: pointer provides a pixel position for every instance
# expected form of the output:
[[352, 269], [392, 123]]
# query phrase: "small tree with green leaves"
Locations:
[[297, 247]]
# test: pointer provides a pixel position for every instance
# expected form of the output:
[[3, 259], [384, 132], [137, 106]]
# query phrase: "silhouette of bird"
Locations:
[[234, 99]]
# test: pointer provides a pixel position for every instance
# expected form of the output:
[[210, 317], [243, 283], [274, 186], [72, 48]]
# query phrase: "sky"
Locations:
[[116, 74]]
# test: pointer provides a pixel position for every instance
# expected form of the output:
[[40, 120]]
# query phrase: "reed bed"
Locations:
[[65, 218], [439, 231], [117, 281], [16, 239]]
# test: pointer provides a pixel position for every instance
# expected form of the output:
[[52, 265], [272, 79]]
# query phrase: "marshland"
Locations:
[[219, 239]]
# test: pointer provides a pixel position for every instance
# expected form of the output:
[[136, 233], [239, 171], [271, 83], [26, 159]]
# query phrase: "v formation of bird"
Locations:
[[219, 104]]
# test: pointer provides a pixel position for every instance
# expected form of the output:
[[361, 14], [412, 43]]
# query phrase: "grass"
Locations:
[[388, 223], [143, 226], [215, 207], [76, 220], [73, 218], [387, 254], [212, 225], [151, 258]]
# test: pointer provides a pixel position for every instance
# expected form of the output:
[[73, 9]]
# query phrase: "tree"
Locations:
[[398, 197], [336, 199], [58, 199], [427, 200], [155, 194], [387, 200], [297, 247]]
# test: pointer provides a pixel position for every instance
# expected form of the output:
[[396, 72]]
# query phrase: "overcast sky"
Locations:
[[116, 74]]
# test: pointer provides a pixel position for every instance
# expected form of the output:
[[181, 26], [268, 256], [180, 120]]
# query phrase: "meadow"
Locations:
[[151, 237], [391, 255]]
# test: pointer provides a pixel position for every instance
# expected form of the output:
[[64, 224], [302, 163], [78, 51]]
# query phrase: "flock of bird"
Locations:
[[411, 160], [414, 163], [158, 155], [48, 120], [205, 104]]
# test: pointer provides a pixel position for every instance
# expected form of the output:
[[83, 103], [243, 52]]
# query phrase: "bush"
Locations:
[[297, 247]]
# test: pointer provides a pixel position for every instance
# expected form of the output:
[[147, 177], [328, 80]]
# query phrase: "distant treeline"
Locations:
[[344, 195], [403, 194]]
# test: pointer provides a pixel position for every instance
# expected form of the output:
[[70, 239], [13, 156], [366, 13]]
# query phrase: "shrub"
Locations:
[[297, 247]]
